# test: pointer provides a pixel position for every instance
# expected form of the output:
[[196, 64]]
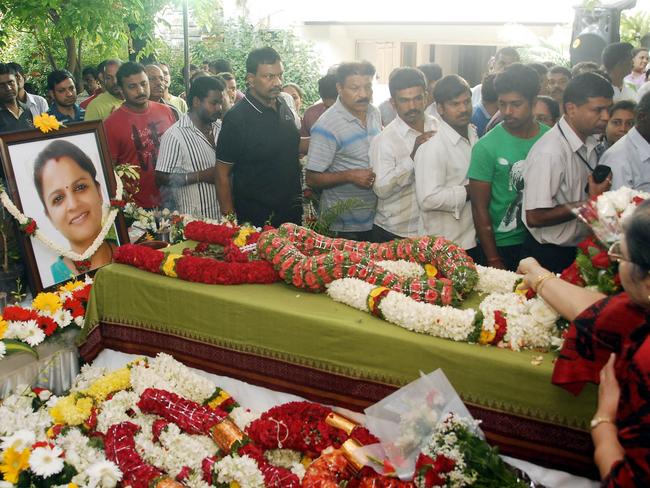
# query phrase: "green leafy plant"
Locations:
[[635, 27]]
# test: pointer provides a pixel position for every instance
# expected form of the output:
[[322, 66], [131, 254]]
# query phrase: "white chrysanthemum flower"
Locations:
[[46, 461], [350, 291], [402, 268], [493, 280], [31, 333], [103, 474], [20, 440], [243, 470], [87, 376]]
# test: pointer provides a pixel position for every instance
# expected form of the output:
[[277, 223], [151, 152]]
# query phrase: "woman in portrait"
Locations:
[[608, 343], [66, 182]]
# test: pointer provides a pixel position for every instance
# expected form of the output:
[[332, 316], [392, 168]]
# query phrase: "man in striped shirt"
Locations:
[[187, 157]]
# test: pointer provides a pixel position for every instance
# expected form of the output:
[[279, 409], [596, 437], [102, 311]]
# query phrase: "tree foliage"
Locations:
[[635, 27], [233, 40]]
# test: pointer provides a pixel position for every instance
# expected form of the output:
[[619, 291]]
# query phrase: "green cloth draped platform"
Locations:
[[289, 339]]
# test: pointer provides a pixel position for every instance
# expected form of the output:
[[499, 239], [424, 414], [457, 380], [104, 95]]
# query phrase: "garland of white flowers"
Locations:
[[531, 323], [99, 240]]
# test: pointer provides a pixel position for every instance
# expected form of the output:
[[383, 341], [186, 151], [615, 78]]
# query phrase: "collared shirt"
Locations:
[[340, 142], [480, 118], [629, 159], [554, 175], [432, 110], [10, 123], [627, 92], [636, 79], [262, 145], [390, 157], [36, 105], [441, 166], [103, 106], [79, 114], [185, 149], [387, 111]]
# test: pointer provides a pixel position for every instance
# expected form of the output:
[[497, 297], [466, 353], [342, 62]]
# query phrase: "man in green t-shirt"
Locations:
[[496, 168]]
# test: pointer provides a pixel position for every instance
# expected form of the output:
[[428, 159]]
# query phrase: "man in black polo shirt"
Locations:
[[14, 115], [258, 146]]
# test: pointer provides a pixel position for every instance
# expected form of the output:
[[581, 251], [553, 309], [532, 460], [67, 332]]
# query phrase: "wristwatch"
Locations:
[[596, 421]]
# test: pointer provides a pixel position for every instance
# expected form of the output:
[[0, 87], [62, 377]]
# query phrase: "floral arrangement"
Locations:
[[311, 261], [24, 328], [116, 428], [157, 223], [503, 318], [456, 457], [605, 215]]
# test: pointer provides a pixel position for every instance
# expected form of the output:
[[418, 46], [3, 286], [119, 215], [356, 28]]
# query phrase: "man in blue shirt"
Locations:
[[62, 90]]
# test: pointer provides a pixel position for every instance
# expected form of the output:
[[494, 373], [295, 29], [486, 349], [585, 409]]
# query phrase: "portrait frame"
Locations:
[[18, 151]]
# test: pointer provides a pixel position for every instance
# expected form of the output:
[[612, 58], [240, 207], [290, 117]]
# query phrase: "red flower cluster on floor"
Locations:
[[301, 426]]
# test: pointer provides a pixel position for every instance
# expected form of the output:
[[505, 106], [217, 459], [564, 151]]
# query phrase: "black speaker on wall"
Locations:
[[594, 28]]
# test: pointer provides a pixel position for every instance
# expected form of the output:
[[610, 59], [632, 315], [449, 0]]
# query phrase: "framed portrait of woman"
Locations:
[[64, 181]]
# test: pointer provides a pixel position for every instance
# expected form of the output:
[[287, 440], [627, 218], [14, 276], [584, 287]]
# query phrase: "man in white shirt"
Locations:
[[629, 158], [392, 153], [501, 60], [432, 72], [617, 60], [35, 103], [441, 165], [558, 169]]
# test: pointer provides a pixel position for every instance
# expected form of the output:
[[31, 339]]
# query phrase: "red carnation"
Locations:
[[601, 260]]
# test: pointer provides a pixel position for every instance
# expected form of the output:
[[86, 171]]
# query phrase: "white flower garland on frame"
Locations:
[[99, 240]]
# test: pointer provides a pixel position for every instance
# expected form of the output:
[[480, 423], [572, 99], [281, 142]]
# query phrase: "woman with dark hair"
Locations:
[[609, 343], [65, 180]]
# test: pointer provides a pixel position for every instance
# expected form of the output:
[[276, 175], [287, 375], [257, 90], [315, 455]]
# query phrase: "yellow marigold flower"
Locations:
[[109, 383], [234, 484], [46, 123], [13, 462], [47, 302], [3, 327], [521, 288], [306, 461], [487, 336], [219, 399], [170, 265], [72, 410], [71, 286], [431, 270], [73, 485], [242, 236]]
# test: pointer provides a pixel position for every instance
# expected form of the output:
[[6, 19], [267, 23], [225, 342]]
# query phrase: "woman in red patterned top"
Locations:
[[609, 343]]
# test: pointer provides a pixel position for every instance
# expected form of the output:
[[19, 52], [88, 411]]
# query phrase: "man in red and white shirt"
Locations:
[[134, 131]]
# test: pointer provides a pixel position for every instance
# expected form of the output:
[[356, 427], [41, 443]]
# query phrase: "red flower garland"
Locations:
[[198, 269], [311, 261]]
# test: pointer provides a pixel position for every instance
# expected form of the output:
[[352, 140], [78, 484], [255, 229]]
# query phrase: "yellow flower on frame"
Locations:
[[46, 123], [71, 286], [47, 302], [13, 462]]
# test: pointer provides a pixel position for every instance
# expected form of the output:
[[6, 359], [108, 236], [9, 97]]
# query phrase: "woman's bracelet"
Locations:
[[541, 279]]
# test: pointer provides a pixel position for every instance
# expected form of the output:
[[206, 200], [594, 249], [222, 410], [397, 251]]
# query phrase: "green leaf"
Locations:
[[14, 347]]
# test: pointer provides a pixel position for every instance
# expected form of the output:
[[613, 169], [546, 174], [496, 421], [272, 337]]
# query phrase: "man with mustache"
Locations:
[[134, 131], [558, 79], [35, 103], [392, 153], [338, 161], [14, 115], [559, 167], [187, 159], [441, 167], [157, 86], [63, 92], [258, 170], [111, 98], [495, 172]]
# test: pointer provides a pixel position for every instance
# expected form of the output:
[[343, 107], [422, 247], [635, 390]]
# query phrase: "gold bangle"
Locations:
[[540, 280]]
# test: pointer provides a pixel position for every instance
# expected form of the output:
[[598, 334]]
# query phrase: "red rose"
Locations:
[[601, 260], [572, 275]]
